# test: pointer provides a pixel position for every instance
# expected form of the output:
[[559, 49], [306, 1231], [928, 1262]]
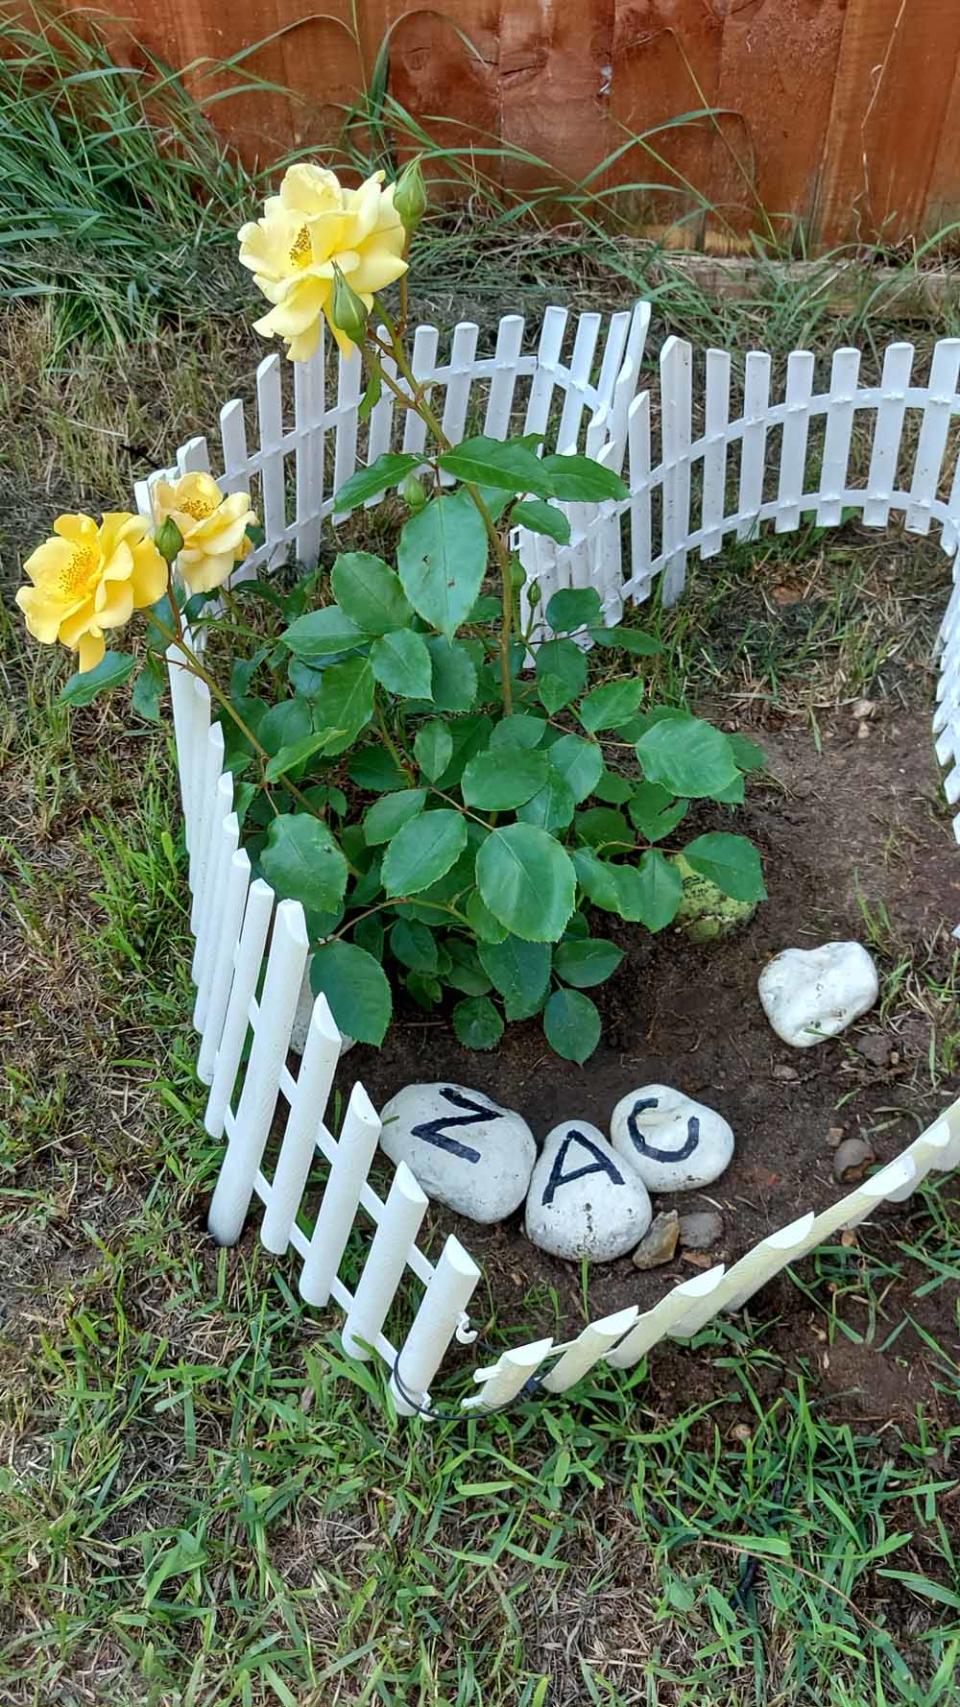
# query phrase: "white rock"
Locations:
[[465, 1150], [304, 1014], [584, 1201], [674, 1143], [810, 994]]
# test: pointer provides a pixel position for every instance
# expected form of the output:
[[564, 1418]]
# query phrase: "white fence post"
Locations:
[[349, 390], [676, 387], [463, 352], [844, 371], [298, 1148], [882, 476], [508, 1377], [793, 447], [756, 404], [435, 1323], [716, 422], [348, 1171], [224, 955], [503, 384], [940, 402], [309, 399], [377, 1287], [258, 1099], [270, 428]]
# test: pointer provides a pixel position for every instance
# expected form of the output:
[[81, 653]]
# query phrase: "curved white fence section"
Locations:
[[716, 475]]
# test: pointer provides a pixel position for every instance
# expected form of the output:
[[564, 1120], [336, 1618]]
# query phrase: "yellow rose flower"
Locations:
[[213, 528], [312, 225], [87, 579]]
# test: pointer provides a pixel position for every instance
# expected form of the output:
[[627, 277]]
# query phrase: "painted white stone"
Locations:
[[304, 1014], [584, 1200], [811, 994], [465, 1150], [673, 1142]]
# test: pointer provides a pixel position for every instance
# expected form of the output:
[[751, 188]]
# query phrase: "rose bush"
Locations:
[[453, 808]]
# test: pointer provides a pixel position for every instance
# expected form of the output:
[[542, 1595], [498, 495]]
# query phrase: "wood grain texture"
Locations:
[[826, 121]]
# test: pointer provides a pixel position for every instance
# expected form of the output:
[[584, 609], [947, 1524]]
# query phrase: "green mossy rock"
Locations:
[[706, 913]]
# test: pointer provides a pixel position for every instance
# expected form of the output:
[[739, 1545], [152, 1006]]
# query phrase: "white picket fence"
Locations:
[[251, 949]]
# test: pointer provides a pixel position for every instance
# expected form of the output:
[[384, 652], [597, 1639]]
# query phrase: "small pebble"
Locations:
[[834, 1135], [789, 1075], [874, 1047], [702, 1230], [852, 1160], [660, 1243], [861, 709]]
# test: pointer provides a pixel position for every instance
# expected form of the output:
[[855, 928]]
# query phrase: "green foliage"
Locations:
[[484, 804]]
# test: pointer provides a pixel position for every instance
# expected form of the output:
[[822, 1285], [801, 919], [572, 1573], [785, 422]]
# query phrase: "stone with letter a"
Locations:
[[584, 1199]]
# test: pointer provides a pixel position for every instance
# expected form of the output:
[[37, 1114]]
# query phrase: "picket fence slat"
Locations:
[[250, 952], [793, 449], [309, 1097]]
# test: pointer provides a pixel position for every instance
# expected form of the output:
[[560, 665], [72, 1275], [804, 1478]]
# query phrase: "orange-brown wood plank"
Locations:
[[888, 115]]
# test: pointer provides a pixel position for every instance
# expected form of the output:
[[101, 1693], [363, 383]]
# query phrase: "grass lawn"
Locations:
[[201, 1501]]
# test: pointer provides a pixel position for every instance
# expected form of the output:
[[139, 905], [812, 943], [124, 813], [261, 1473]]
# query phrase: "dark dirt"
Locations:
[[860, 820]]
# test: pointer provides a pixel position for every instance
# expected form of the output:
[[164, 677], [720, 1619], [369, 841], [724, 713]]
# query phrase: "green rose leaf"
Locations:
[[731, 862], [748, 755], [574, 607], [538, 517], [627, 640], [654, 811], [113, 669], [345, 700], [433, 748], [401, 663], [520, 971], [321, 633], [481, 921], [442, 557], [580, 480], [284, 724], [506, 464], [503, 778], [303, 862], [605, 827], [598, 879], [423, 850], [477, 1023], [454, 678], [388, 470], [615, 790], [571, 1025], [527, 881], [654, 896], [369, 591], [465, 971], [389, 814], [552, 806], [688, 756], [414, 945], [561, 673], [521, 729], [376, 769], [148, 688], [586, 961], [298, 752], [356, 988], [610, 705], [579, 762]]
